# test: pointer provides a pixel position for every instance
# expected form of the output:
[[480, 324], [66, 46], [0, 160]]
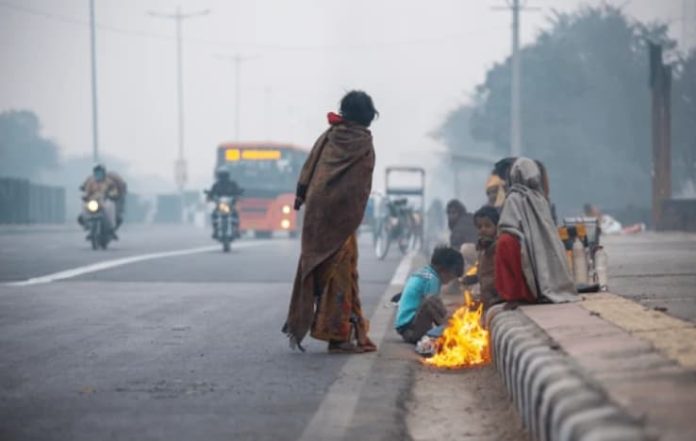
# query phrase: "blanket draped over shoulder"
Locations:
[[335, 184], [526, 215]]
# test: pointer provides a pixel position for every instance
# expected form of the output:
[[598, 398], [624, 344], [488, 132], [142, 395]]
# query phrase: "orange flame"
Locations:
[[464, 342]]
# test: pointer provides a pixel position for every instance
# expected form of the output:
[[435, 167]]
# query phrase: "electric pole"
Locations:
[[515, 129], [180, 165], [93, 55], [515, 81], [237, 60]]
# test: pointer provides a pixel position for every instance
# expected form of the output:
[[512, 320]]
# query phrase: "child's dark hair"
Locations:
[[487, 212], [448, 259], [357, 107]]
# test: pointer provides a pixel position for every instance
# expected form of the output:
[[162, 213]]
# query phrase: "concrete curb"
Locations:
[[555, 398]]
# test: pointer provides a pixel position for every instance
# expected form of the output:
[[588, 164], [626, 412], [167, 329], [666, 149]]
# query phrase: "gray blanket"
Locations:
[[526, 214]]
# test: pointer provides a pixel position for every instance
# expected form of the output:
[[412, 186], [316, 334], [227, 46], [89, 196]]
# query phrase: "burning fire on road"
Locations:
[[464, 342]]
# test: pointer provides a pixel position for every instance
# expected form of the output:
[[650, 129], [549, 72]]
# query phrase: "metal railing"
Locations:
[[23, 202]]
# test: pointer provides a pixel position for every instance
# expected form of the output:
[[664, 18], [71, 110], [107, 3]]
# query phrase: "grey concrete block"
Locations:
[[616, 432], [574, 402], [541, 380], [554, 396], [573, 427]]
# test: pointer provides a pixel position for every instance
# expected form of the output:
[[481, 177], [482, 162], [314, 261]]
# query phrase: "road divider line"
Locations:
[[108, 264], [335, 413]]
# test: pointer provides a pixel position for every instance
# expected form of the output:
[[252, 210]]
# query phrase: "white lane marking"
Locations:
[[108, 264], [335, 413]]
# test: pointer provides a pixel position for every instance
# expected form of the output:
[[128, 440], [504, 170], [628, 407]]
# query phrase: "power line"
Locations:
[[452, 38]]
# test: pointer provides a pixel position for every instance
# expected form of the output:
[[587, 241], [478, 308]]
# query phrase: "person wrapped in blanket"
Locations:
[[420, 306], [530, 260], [334, 187]]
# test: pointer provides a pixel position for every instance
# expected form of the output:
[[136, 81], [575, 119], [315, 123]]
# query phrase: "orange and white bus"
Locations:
[[268, 174]]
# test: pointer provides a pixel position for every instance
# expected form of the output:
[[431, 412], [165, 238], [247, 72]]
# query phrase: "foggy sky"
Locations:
[[418, 60]]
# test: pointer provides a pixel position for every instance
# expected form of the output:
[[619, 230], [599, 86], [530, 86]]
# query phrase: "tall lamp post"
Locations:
[[180, 169], [93, 56]]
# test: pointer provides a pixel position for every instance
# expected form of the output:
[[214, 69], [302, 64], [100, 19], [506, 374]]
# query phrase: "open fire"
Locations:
[[464, 342]]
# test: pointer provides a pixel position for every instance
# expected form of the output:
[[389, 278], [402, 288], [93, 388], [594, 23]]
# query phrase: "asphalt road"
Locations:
[[189, 347], [173, 348], [657, 270]]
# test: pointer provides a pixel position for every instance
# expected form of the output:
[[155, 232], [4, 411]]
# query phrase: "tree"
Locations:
[[585, 107], [24, 153]]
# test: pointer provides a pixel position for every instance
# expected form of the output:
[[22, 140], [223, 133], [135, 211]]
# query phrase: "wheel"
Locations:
[[95, 235], [381, 240], [405, 240]]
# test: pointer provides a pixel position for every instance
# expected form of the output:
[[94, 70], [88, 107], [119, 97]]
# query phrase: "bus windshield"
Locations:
[[263, 171]]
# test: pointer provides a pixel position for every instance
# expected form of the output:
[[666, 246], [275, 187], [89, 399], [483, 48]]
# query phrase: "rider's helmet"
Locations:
[[222, 174], [99, 172]]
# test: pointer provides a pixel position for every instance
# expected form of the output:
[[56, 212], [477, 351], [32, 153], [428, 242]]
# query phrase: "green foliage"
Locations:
[[586, 107], [24, 153]]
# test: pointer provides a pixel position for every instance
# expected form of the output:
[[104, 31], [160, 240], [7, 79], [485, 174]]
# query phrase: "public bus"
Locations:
[[268, 174]]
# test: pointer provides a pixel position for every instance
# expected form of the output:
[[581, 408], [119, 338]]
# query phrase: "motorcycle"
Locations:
[[397, 225], [225, 219], [98, 219]]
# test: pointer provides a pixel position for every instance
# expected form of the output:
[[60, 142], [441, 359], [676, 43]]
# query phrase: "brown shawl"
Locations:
[[335, 183]]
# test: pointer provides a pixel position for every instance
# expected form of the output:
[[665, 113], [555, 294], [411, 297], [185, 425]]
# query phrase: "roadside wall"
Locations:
[[22, 202]]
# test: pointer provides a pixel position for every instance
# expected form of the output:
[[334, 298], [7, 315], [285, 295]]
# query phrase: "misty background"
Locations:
[[438, 72]]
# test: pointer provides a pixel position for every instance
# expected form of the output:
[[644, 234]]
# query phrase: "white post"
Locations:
[[93, 53], [515, 126]]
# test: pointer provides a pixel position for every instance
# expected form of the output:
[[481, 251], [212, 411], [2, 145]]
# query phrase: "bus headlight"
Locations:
[[92, 206], [285, 224], [223, 208], [286, 209]]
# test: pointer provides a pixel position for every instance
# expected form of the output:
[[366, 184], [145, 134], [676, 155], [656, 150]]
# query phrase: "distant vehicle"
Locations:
[[268, 173], [225, 218], [402, 218], [98, 220]]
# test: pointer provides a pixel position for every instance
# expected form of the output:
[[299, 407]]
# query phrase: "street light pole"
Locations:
[[93, 55], [515, 78], [180, 168], [179, 84], [178, 16], [515, 128]]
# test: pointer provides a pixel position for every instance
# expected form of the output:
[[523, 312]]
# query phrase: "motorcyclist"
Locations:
[[224, 186], [100, 185]]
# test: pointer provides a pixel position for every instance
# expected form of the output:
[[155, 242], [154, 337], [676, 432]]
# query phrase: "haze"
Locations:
[[418, 59]]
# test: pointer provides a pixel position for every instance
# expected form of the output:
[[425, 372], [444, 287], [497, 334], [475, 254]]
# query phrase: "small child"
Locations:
[[486, 221], [420, 306]]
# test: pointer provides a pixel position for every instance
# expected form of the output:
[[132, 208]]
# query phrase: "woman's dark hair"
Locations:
[[448, 259], [487, 212], [357, 107], [457, 205], [502, 168]]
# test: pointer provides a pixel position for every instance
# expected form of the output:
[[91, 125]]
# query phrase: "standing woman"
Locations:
[[334, 184], [530, 260]]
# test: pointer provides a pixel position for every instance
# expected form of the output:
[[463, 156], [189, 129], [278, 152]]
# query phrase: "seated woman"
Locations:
[[530, 260]]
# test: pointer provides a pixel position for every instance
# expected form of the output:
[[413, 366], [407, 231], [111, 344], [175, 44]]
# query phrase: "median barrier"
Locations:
[[554, 396]]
